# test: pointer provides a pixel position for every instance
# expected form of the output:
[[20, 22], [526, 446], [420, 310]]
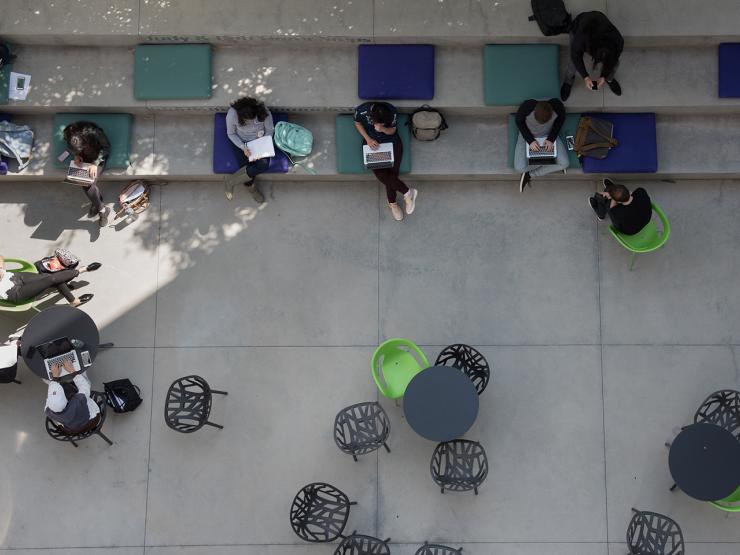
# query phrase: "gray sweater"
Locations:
[[240, 134]]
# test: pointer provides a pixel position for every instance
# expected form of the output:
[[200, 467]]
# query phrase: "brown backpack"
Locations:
[[594, 137]]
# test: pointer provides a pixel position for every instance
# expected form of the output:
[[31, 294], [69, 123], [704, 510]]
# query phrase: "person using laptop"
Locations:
[[539, 122], [19, 287], [629, 212], [376, 122], [246, 120], [592, 33], [70, 404], [89, 145]]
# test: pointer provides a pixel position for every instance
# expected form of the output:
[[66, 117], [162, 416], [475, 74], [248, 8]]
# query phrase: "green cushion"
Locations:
[[4, 82], [569, 128], [349, 145], [513, 73], [117, 128], [172, 71]]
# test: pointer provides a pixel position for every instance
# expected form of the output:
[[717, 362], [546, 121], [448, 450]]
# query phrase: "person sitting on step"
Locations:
[[69, 403], [376, 122], [592, 33], [88, 144], [19, 287], [247, 119], [629, 213], [539, 119]]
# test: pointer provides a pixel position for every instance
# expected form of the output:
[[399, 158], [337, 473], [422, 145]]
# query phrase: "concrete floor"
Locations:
[[593, 365]]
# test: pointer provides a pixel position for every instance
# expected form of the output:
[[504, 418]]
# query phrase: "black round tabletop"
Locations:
[[440, 403], [53, 323], [705, 462]]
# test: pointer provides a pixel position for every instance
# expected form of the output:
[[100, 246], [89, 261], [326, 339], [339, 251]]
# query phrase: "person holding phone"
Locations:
[[247, 119], [592, 33], [89, 145], [376, 122], [629, 212], [536, 119]]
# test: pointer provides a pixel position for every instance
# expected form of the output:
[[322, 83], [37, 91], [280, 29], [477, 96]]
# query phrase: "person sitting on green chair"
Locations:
[[629, 213], [18, 287]]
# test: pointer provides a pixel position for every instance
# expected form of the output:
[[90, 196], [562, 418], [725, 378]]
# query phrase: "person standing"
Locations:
[[247, 119], [89, 145], [539, 119], [592, 33], [376, 122]]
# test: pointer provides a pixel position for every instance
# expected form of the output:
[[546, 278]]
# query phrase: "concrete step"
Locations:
[[105, 22], [179, 146], [315, 77]]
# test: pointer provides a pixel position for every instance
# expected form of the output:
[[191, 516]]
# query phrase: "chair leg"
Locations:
[[673, 487], [475, 490], [220, 392], [73, 443], [105, 346], [215, 425], [17, 381], [632, 264], [354, 457], [442, 489], [101, 434], [353, 502], [386, 447]]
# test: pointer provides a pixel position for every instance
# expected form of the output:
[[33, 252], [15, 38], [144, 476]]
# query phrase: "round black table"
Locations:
[[53, 323], [440, 403], [705, 462]]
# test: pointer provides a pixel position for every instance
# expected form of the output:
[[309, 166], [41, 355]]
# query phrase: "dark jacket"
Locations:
[[590, 32], [526, 108]]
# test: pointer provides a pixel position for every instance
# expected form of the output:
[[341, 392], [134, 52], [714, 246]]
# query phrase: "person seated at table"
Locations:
[[19, 287], [246, 120], [629, 213], [70, 404], [89, 145], [539, 119]]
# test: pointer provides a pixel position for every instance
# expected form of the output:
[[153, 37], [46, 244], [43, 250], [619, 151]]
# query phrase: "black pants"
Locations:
[[252, 168], [93, 192], [28, 285], [389, 176]]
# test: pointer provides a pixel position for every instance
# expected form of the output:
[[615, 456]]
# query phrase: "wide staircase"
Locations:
[[301, 58]]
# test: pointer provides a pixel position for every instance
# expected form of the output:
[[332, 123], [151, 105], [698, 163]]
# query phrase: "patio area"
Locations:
[[593, 365]]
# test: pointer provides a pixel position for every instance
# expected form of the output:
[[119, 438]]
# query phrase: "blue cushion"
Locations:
[[729, 70], [226, 156], [637, 151], [396, 71], [4, 117]]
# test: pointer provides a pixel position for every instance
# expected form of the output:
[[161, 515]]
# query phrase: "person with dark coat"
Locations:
[[592, 33]]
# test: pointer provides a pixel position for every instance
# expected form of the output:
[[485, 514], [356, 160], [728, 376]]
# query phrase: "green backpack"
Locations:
[[292, 139]]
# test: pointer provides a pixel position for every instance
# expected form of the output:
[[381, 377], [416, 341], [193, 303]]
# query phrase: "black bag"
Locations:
[[122, 395], [6, 56], [551, 16], [426, 123]]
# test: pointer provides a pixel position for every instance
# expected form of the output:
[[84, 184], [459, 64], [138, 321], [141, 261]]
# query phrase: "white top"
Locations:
[[5, 284], [8, 355], [84, 387]]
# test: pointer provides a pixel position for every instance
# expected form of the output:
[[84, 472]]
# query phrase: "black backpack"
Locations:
[[6, 56], [122, 395], [551, 16]]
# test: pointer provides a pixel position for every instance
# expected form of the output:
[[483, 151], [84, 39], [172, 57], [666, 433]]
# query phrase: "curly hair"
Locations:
[[81, 138], [249, 108]]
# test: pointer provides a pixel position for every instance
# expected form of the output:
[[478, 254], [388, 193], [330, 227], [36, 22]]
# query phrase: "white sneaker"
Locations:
[[396, 211], [410, 200]]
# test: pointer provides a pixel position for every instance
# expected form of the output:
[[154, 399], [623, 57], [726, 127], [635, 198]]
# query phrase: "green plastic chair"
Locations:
[[647, 239], [7, 306], [730, 504], [398, 360]]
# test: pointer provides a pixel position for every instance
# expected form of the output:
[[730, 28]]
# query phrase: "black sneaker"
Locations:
[[614, 86], [599, 206], [565, 91], [524, 181], [606, 182]]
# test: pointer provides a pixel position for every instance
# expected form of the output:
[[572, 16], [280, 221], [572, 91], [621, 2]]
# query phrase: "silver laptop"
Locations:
[[542, 156], [378, 159], [79, 174], [56, 352]]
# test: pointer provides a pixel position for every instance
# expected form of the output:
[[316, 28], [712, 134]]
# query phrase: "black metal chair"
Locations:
[[188, 404], [721, 408], [651, 533], [359, 544], [459, 465], [436, 549], [473, 364], [361, 429], [60, 433], [319, 512]]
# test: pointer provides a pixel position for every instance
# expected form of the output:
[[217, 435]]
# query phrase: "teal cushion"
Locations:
[[512, 73], [172, 71], [117, 128], [349, 145], [569, 128], [4, 82]]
